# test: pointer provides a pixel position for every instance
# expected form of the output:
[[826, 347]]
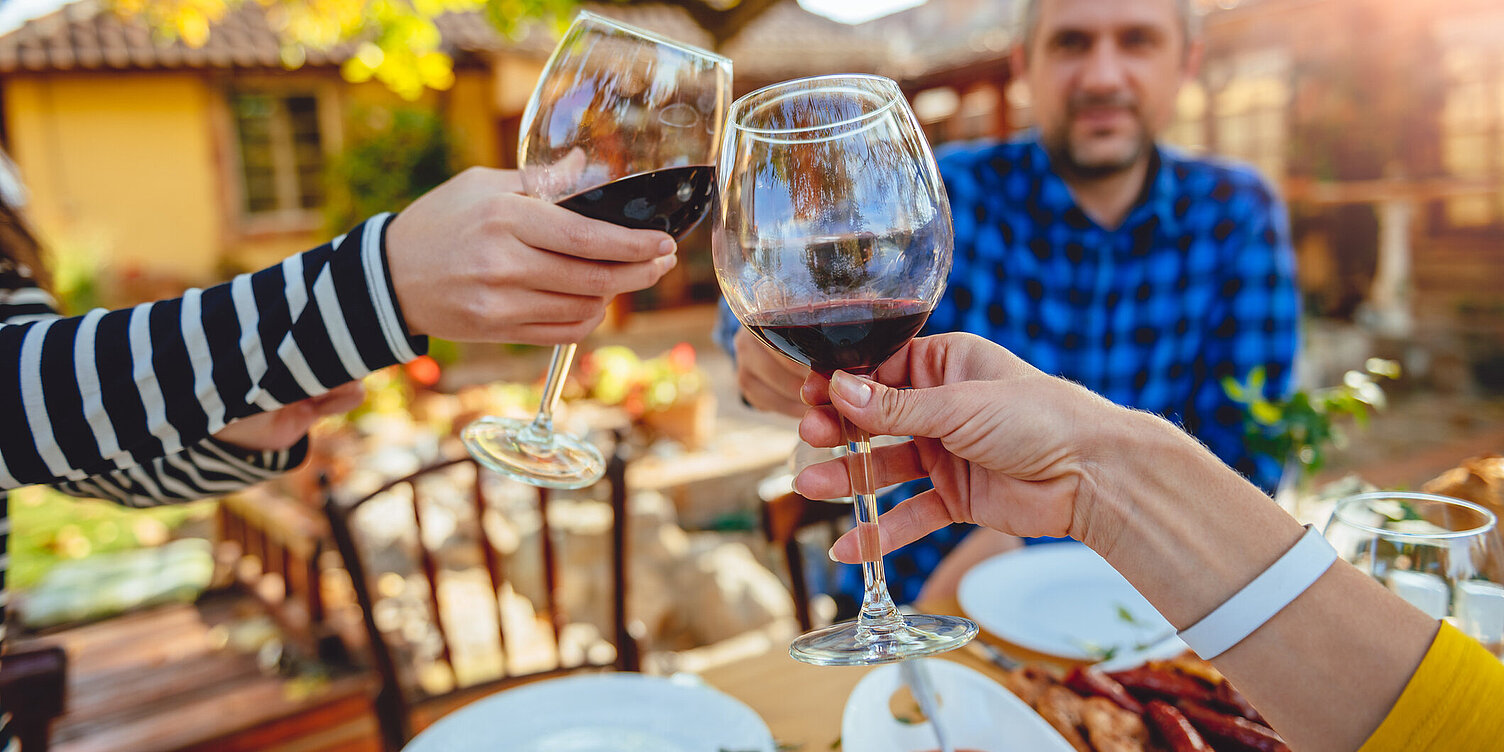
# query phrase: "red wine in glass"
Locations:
[[855, 336], [623, 126], [673, 200], [832, 243]]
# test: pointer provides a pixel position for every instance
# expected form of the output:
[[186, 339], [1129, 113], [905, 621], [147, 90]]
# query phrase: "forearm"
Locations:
[[111, 390], [206, 469], [1189, 534]]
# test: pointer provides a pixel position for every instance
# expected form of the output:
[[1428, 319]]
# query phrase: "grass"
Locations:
[[48, 528]]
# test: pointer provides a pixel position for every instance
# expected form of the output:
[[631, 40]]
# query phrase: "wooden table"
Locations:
[[802, 704]]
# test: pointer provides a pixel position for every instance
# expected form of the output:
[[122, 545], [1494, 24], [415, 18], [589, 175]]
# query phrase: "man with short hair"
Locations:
[[1099, 255]]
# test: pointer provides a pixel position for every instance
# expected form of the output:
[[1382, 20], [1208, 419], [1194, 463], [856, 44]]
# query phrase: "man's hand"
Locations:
[[474, 260], [282, 428], [768, 380]]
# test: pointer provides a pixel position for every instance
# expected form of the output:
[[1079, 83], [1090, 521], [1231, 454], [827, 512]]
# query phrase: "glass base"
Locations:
[[852, 644], [517, 449]]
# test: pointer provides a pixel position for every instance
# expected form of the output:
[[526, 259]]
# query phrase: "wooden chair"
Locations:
[[401, 705], [33, 689], [273, 545], [782, 519]]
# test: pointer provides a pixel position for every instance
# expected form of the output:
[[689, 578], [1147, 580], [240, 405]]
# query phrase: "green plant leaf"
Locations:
[[1265, 412]]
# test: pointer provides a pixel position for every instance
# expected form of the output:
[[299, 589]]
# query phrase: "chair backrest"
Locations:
[[438, 516], [33, 689], [782, 519]]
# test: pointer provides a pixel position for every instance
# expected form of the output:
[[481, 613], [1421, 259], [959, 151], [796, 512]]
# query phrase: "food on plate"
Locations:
[[1232, 732], [1178, 705], [1175, 729], [1110, 728], [1167, 685], [1061, 708], [1029, 683], [1091, 724], [1089, 681]]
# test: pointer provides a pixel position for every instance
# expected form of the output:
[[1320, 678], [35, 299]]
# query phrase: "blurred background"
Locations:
[[175, 154], [174, 143]]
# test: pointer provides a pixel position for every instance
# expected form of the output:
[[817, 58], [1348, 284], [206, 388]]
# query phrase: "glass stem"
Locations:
[[878, 612], [558, 369]]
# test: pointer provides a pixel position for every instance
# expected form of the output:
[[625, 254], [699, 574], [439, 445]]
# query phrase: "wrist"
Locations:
[[405, 339], [1179, 524], [1112, 474]]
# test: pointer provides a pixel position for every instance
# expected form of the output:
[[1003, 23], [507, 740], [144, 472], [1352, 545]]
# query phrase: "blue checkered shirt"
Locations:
[[1197, 283]]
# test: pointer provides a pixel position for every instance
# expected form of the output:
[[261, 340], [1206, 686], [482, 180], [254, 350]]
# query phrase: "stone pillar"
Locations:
[[1389, 300]]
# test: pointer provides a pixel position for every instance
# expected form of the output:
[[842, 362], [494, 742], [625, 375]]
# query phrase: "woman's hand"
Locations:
[[1005, 445], [282, 428], [474, 260]]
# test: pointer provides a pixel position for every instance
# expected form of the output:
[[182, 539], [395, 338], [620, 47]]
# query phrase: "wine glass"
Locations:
[[623, 126], [832, 244], [1443, 555]]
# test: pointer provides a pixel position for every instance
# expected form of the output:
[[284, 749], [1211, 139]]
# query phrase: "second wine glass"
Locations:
[[1443, 555], [623, 127], [832, 244]]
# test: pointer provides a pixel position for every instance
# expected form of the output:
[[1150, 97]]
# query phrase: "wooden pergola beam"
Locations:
[[724, 24]]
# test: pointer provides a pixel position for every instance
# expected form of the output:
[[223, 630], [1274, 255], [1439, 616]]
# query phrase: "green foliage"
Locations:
[[49, 528], [396, 41], [391, 157], [79, 279], [1303, 426], [615, 375]]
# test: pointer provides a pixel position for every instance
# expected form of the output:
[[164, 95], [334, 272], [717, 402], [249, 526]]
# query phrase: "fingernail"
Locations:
[[851, 388], [664, 263], [667, 247], [798, 485], [832, 554]]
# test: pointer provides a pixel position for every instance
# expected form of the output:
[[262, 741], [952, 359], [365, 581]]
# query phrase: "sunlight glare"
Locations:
[[857, 11]]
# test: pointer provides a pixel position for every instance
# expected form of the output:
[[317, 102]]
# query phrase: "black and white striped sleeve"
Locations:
[[93, 397], [208, 468]]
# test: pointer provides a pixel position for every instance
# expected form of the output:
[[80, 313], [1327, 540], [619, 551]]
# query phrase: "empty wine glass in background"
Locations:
[[832, 244], [623, 126], [1443, 555]]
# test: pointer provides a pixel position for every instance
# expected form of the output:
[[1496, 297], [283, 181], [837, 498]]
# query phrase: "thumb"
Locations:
[[881, 409], [341, 399]]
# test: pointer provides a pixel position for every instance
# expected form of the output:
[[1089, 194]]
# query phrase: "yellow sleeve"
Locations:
[[1451, 703]]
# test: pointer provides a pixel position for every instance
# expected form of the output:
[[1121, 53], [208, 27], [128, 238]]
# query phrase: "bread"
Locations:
[[1481, 481]]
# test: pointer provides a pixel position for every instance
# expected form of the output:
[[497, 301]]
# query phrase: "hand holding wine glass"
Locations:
[[623, 127], [832, 245], [475, 260]]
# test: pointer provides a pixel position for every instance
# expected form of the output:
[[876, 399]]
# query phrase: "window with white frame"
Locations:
[[281, 155], [1251, 110], [1472, 117]]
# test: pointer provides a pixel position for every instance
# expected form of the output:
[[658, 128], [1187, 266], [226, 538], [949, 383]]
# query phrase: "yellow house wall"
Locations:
[[134, 167], [121, 164], [472, 119]]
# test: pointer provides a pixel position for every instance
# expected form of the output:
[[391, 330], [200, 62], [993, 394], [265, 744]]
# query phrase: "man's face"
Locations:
[[1104, 75]]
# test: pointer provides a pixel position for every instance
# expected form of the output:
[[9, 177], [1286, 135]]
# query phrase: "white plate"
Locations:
[[619, 712], [1063, 599], [977, 713]]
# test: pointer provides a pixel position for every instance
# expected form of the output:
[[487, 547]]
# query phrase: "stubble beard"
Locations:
[[1070, 158]]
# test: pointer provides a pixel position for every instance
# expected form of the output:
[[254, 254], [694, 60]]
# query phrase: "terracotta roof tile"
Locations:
[[83, 35], [784, 41]]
